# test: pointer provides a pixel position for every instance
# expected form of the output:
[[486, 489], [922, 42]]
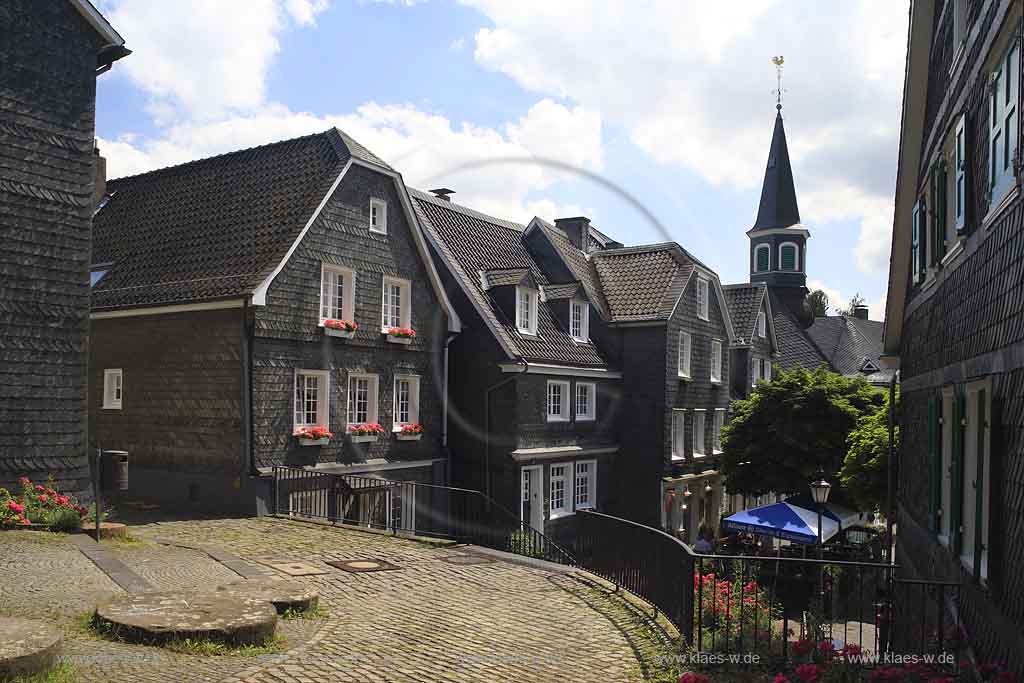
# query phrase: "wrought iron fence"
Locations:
[[462, 515]]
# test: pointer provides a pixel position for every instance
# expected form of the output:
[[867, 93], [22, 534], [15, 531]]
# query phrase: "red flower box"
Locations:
[[313, 436], [360, 433], [410, 432], [345, 329], [400, 335]]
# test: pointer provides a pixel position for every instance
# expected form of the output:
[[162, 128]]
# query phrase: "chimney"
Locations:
[[578, 231], [443, 193], [860, 312], [99, 172]]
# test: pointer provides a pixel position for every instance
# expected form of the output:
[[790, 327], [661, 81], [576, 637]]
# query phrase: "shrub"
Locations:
[[38, 504]]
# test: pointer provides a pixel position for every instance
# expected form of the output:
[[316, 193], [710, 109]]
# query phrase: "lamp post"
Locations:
[[819, 492]]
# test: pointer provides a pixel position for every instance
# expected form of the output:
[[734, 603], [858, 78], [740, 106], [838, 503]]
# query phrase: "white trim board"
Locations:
[[558, 452], [561, 370], [98, 22], [173, 308]]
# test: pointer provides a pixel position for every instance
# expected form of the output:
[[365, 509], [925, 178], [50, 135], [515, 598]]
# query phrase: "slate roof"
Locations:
[[795, 348], [744, 301], [847, 342], [213, 228], [579, 265], [562, 291], [471, 242], [642, 283], [778, 207]]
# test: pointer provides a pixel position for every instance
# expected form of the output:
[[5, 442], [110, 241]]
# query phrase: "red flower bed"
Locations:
[[411, 429], [37, 504], [368, 429], [404, 332], [343, 325], [314, 433]]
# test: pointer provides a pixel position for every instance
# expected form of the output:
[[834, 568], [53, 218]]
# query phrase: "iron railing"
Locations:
[[462, 515]]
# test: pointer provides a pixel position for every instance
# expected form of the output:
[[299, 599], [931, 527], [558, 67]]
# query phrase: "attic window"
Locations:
[[526, 310], [579, 320], [762, 327], [379, 216], [868, 367], [702, 298], [95, 276]]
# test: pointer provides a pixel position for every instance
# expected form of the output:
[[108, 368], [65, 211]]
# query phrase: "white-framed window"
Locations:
[[698, 433], [1004, 102], [789, 257], [406, 401], [762, 325], [558, 401], [685, 348], [579, 320], [337, 293], [396, 303], [678, 434], [702, 298], [362, 398], [762, 258], [585, 484], [312, 398], [716, 361], [379, 216], [755, 371], [716, 430], [526, 310], [113, 388], [767, 370], [586, 398], [558, 500], [960, 174]]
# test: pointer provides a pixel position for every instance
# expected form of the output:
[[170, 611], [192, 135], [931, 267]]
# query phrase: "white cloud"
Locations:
[[836, 300], [691, 84]]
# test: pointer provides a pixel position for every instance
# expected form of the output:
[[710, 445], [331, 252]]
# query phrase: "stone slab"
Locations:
[[27, 647], [118, 571], [160, 617], [107, 530], [282, 594]]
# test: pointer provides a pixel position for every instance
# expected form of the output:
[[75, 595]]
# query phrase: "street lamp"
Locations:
[[819, 492]]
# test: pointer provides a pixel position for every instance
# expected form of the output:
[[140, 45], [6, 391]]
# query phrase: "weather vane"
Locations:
[[778, 61]]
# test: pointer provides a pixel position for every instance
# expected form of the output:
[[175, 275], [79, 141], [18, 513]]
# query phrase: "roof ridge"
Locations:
[[462, 208]]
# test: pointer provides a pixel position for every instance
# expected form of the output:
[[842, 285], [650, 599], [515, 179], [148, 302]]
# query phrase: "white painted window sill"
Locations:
[[557, 419], [584, 418], [560, 515], [955, 250], [716, 381], [995, 213], [685, 378]]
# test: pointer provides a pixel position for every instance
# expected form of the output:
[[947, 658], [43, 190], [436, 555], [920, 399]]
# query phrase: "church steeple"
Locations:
[[778, 208]]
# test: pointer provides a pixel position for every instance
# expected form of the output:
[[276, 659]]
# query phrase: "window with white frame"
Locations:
[[362, 399], [762, 258], [960, 175], [379, 216], [396, 304], [585, 485], [789, 257], [558, 500], [558, 401], [755, 371], [406, 401], [312, 398], [716, 361], [767, 370], [702, 298], [716, 430], [959, 32], [1003, 110], [586, 395], [526, 310], [685, 347], [678, 434], [337, 293], [762, 325], [113, 388], [698, 433], [579, 320]]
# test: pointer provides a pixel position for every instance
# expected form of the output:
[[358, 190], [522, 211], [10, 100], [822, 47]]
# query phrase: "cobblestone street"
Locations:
[[446, 614]]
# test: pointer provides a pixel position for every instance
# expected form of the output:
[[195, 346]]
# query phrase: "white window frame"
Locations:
[[1004, 104], [414, 401], [716, 430], [532, 299], [960, 175], [590, 388], [755, 371], [767, 368], [113, 388], [404, 303], [323, 398], [590, 477], [558, 473], [699, 432], [959, 32], [796, 257], [579, 316], [346, 309], [703, 306], [759, 248], [564, 394], [372, 399], [716, 361], [685, 355], [381, 225], [762, 325], [678, 434]]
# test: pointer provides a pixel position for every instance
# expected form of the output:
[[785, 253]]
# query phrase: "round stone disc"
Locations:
[[26, 647], [160, 617], [284, 595]]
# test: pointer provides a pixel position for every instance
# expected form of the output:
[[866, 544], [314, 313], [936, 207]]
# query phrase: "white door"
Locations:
[[532, 500]]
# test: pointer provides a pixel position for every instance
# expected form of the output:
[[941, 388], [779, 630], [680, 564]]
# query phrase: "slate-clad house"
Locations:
[[582, 358], [213, 282], [756, 347], [954, 317], [51, 55]]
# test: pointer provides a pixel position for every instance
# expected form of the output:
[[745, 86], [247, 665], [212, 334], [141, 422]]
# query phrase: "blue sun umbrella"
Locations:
[[782, 520]]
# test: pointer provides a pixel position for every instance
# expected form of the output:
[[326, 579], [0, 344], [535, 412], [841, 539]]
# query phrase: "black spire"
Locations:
[[778, 207]]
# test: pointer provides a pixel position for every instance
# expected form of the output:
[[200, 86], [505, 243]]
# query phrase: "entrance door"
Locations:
[[532, 510]]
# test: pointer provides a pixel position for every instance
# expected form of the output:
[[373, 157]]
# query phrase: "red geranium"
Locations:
[[368, 429], [802, 647], [412, 429], [405, 332], [808, 672], [343, 325], [314, 433]]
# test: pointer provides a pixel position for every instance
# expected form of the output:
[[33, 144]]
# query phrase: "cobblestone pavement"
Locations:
[[430, 620]]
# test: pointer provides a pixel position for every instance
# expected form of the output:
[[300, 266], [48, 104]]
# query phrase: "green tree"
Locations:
[[818, 301], [791, 427], [866, 466], [856, 301]]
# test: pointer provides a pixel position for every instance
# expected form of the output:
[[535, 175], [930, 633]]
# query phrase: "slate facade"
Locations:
[[954, 319], [51, 53]]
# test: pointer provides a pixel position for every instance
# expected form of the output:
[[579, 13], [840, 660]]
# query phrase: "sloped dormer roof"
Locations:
[[745, 301]]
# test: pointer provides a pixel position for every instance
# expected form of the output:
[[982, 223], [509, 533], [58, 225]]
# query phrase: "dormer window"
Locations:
[[702, 298], [762, 325], [526, 310], [788, 257], [579, 320], [379, 216], [762, 257]]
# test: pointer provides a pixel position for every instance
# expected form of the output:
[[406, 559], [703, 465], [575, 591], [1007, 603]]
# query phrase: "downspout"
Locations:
[[444, 399], [248, 435], [487, 423]]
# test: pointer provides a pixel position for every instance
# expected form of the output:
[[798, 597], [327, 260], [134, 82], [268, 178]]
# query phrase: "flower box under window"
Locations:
[[365, 433], [313, 436], [410, 432], [343, 329], [400, 335]]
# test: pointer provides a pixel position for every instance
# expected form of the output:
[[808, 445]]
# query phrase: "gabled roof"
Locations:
[[113, 47], [471, 242], [745, 301], [778, 208], [642, 283], [503, 277], [575, 260], [851, 345], [567, 290], [795, 348]]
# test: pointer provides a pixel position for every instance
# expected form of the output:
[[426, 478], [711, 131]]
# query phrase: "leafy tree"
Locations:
[[866, 466], [791, 427], [856, 301], [818, 301]]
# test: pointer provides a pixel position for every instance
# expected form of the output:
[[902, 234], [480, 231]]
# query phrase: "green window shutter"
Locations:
[[957, 495], [933, 520], [789, 258], [941, 180], [979, 486], [762, 259]]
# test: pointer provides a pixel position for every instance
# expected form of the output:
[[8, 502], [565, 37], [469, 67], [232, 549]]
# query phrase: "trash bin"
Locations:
[[115, 471]]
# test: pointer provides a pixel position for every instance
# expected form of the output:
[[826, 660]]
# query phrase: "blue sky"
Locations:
[[671, 104]]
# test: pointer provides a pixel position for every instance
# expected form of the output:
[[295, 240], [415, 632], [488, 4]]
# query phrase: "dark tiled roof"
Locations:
[[562, 291], [847, 342], [472, 242], [778, 208], [744, 301], [581, 267], [795, 347], [503, 277], [642, 283], [213, 228]]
